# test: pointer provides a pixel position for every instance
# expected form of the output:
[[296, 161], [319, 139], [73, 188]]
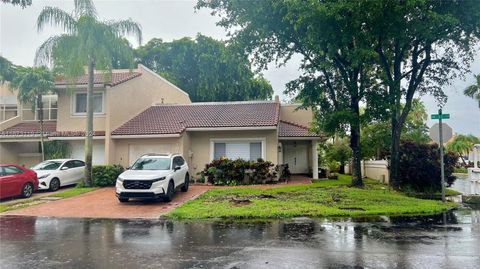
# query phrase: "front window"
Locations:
[[80, 103], [151, 164], [245, 150], [48, 165]]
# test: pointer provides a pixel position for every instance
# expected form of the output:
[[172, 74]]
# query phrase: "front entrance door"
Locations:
[[295, 155]]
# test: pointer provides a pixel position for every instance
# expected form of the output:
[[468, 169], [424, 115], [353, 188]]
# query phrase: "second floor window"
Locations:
[[80, 103]]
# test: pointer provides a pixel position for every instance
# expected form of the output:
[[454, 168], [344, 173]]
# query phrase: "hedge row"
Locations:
[[239, 172]]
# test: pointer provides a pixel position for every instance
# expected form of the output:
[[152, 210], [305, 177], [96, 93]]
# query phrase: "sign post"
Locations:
[[441, 116]]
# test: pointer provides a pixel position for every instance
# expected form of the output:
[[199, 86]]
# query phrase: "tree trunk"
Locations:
[[355, 145], [40, 118], [89, 129], [341, 170], [395, 154], [356, 162]]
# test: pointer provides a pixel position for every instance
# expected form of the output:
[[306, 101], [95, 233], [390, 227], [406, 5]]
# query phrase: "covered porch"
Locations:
[[298, 147]]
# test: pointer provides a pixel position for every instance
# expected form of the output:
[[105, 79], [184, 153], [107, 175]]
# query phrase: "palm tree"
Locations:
[[462, 144], [474, 90], [7, 70], [87, 41], [31, 83]]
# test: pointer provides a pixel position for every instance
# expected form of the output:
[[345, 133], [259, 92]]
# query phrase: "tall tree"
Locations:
[[328, 35], [32, 83], [207, 69], [87, 42], [473, 90], [421, 45]]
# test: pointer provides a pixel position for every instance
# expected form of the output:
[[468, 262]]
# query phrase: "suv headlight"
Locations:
[[44, 176], [158, 179], [120, 179]]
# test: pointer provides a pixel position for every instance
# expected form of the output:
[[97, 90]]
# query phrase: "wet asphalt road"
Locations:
[[28, 242]]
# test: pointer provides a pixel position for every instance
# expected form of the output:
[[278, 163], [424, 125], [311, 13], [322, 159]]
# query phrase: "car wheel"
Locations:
[[186, 183], [170, 192], [122, 200], [27, 190], [54, 184]]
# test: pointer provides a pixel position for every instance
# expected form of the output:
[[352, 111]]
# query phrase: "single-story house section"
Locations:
[[206, 131]]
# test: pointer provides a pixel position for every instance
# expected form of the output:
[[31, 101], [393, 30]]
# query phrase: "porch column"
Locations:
[[314, 159], [280, 153]]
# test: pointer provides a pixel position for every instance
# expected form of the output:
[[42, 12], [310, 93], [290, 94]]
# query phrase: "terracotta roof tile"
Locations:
[[26, 129], [115, 79], [290, 129], [174, 119]]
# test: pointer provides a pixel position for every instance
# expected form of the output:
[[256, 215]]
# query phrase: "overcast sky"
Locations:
[[176, 19]]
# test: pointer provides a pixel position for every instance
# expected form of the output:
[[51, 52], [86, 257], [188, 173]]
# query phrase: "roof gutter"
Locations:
[[74, 137], [232, 128], [145, 136]]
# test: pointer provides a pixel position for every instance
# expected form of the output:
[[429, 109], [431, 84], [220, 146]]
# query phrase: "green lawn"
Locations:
[[320, 199], [22, 203], [73, 192]]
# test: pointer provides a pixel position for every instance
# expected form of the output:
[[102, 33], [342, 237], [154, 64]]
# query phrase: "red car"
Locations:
[[16, 180]]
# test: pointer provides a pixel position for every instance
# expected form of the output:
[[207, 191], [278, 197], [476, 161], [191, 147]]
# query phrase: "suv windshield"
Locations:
[[151, 164], [47, 165]]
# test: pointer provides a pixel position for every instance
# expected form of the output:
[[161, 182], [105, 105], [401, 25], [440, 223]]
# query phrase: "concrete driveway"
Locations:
[[102, 203]]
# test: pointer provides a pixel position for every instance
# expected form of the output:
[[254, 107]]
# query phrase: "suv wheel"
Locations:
[[170, 192], [186, 183]]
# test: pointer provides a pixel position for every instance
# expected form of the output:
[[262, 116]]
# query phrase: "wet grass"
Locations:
[[73, 192], [329, 198], [23, 203]]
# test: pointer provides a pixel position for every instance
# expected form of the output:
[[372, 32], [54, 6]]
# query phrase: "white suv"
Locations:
[[153, 176]]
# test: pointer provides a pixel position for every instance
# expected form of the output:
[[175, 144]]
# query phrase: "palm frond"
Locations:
[[85, 8], [56, 17], [43, 55], [127, 27]]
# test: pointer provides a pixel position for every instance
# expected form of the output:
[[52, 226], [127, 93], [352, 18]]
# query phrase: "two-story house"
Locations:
[[138, 112]]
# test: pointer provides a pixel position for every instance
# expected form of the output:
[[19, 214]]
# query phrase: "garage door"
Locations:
[[137, 150], [98, 153]]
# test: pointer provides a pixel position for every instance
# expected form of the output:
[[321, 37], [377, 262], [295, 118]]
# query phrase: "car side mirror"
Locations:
[[127, 168], [64, 168], [176, 168]]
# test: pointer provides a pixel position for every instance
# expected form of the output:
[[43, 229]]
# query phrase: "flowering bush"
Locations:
[[239, 172]]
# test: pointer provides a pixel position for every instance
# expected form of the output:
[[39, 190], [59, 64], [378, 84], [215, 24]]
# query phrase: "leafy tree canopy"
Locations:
[[376, 137], [207, 69]]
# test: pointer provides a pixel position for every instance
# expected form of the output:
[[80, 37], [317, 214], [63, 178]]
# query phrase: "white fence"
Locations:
[[373, 169]]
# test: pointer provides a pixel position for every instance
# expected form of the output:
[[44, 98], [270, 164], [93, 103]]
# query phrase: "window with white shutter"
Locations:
[[246, 150]]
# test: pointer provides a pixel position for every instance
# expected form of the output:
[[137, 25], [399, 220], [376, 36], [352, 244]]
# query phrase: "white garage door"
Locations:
[[137, 150], [78, 151]]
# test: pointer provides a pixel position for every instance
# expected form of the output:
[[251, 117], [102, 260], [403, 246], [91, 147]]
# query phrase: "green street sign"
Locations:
[[443, 116]]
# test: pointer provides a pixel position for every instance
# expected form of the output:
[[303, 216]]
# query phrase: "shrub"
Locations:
[[420, 167], [239, 172], [105, 175], [56, 149]]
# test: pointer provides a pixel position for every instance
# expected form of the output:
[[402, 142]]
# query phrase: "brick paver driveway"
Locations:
[[102, 203]]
